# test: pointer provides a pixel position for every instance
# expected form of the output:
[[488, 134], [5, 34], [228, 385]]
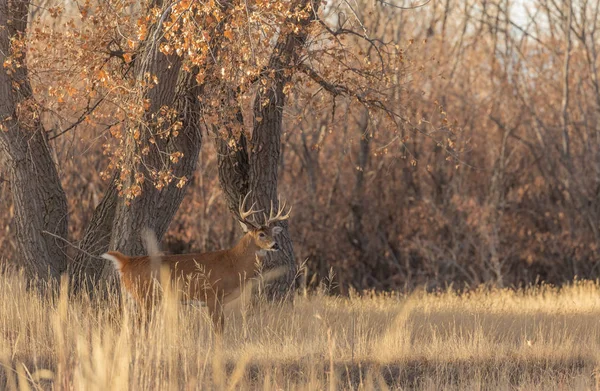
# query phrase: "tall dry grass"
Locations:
[[540, 338], [393, 211]]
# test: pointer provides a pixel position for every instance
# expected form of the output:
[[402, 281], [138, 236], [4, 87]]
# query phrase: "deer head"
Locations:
[[263, 234]]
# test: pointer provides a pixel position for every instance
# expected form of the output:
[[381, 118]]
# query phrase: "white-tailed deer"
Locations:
[[215, 277]]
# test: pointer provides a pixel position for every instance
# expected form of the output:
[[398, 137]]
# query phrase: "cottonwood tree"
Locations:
[[39, 200], [156, 74]]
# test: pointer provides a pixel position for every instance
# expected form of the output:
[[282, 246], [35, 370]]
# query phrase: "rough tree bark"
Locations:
[[234, 167], [118, 226], [39, 200], [258, 167], [115, 224], [87, 267], [152, 210]]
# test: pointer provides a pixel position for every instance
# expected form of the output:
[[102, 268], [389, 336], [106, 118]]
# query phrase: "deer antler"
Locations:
[[245, 214], [279, 216]]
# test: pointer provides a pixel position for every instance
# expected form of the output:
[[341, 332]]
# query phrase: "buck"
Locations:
[[215, 278]]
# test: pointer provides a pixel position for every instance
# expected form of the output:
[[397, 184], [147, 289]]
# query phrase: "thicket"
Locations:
[[490, 174]]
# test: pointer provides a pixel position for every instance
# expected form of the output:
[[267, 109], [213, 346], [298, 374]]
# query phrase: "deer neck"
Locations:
[[245, 251]]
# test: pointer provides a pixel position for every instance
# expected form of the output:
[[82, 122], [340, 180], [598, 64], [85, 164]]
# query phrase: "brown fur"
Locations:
[[215, 277]]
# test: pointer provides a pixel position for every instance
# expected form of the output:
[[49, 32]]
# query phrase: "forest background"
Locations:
[[452, 142]]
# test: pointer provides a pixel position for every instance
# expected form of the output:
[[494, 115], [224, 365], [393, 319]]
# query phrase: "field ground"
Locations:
[[539, 338]]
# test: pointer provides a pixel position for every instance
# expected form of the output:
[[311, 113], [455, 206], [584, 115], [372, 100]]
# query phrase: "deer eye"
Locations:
[[261, 235]]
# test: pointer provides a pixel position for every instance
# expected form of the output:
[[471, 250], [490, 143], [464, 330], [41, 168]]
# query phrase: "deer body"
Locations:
[[214, 278]]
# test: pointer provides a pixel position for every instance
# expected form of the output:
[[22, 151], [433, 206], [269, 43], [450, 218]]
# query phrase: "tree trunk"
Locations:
[[39, 200], [155, 208], [264, 161], [264, 154], [151, 210], [234, 167], [117, 224], [87, 268]]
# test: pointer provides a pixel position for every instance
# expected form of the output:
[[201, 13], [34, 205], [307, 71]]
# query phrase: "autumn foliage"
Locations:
[[454, 143]]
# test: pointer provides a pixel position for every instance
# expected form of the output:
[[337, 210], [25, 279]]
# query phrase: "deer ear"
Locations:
[[244, 226], [277, 230]]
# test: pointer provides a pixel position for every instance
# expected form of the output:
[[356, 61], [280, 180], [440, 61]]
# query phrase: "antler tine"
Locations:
[[244, 214], [279, 216]]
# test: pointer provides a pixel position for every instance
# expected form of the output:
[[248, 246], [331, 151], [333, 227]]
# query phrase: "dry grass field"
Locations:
[[539, 338]]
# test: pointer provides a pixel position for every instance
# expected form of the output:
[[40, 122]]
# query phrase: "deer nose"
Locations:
[[275, 246]]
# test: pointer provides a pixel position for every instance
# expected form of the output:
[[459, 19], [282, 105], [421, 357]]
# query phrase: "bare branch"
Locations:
[[412, 7]]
